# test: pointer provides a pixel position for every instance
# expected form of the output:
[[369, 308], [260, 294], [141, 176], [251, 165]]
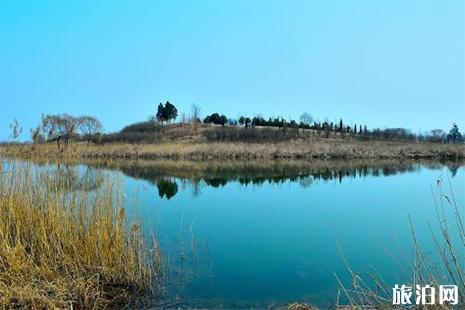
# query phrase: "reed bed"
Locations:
[[66, 248], [293, 149]]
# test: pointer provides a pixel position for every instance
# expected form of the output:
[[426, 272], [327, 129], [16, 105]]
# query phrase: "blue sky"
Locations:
[[393, 63]]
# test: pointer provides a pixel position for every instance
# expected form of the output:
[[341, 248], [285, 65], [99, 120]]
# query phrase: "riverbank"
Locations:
[[299, 149]]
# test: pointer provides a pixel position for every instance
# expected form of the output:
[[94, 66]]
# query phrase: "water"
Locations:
[[243, 235]]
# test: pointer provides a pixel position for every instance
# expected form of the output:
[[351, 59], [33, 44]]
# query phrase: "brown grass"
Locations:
[[298, 149], [68, 249]]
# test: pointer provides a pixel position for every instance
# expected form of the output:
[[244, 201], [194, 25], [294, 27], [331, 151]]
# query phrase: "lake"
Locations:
[[258, 234]]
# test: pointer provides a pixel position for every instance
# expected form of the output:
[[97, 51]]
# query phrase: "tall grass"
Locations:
[[198, 150], [444, 266], [69, 249]]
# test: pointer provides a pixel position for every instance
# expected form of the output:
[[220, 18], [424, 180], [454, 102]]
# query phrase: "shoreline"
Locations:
[[242, 151]]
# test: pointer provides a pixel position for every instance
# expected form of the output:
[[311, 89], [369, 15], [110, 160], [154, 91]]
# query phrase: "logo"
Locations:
[[425, 295]]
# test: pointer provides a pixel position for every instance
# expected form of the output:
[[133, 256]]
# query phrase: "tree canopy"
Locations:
[[454, 135], [166, 112], [216, 118]]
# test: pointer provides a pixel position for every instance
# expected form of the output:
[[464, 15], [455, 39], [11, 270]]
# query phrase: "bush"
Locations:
[[142, 127], [250, 134]]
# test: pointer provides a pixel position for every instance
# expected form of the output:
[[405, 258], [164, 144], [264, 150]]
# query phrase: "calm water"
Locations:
[[258, 234]]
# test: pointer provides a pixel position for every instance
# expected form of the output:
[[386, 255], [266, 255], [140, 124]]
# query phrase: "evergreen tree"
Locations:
[[166, 112], [454, 135], [161, 113], [216, 119], [170, 111]]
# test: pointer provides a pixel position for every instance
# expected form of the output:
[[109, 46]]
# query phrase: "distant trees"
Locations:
[[62, 127], [454, 135], [437, 135], [195, 113], [306, 119], [166, 112], [245, 121], [392, 134], [160, 116], [89, 126], [58, 127], [216, 119]]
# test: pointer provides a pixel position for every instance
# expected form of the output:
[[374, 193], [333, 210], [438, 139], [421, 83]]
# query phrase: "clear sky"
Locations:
[[392, 63]]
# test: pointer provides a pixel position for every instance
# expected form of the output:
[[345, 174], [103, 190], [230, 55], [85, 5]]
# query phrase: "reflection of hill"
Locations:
[[217, 174], [164, 173]]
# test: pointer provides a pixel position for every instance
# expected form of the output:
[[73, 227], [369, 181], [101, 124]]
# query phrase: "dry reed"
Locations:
[[294, 149], [69, 249]]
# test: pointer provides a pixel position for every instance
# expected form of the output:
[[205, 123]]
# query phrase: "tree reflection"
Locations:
[[453, 169], [69, 178], [167, 188], [211, 174]]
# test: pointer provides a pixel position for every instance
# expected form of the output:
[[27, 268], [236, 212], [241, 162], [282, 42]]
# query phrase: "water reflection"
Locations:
[[68, 178], [166, 174], [273, 242], [167, 188]]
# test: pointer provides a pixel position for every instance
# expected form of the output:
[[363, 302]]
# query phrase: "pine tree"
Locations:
[[166, 112], [170, 111], [454, 135], [161, 116]]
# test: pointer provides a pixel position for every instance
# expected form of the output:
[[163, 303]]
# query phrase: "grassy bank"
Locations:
[[69, 249], [298, 149]]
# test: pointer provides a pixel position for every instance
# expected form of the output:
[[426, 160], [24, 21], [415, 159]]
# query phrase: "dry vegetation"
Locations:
[[203, 141], [69, 249], [448, 234], [296, 149]]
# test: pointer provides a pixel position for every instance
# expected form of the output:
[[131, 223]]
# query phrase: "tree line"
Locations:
[[61, 128], [327, 128]]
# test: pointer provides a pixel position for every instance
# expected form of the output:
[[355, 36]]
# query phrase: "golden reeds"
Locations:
[[197, 150], [71, 248]]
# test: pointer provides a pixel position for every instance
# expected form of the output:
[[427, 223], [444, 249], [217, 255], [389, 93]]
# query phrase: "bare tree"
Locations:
[[58, 127], [306, 119], [89, 127], [16, 129], [195, 113], [438, 135], [183, 118]]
